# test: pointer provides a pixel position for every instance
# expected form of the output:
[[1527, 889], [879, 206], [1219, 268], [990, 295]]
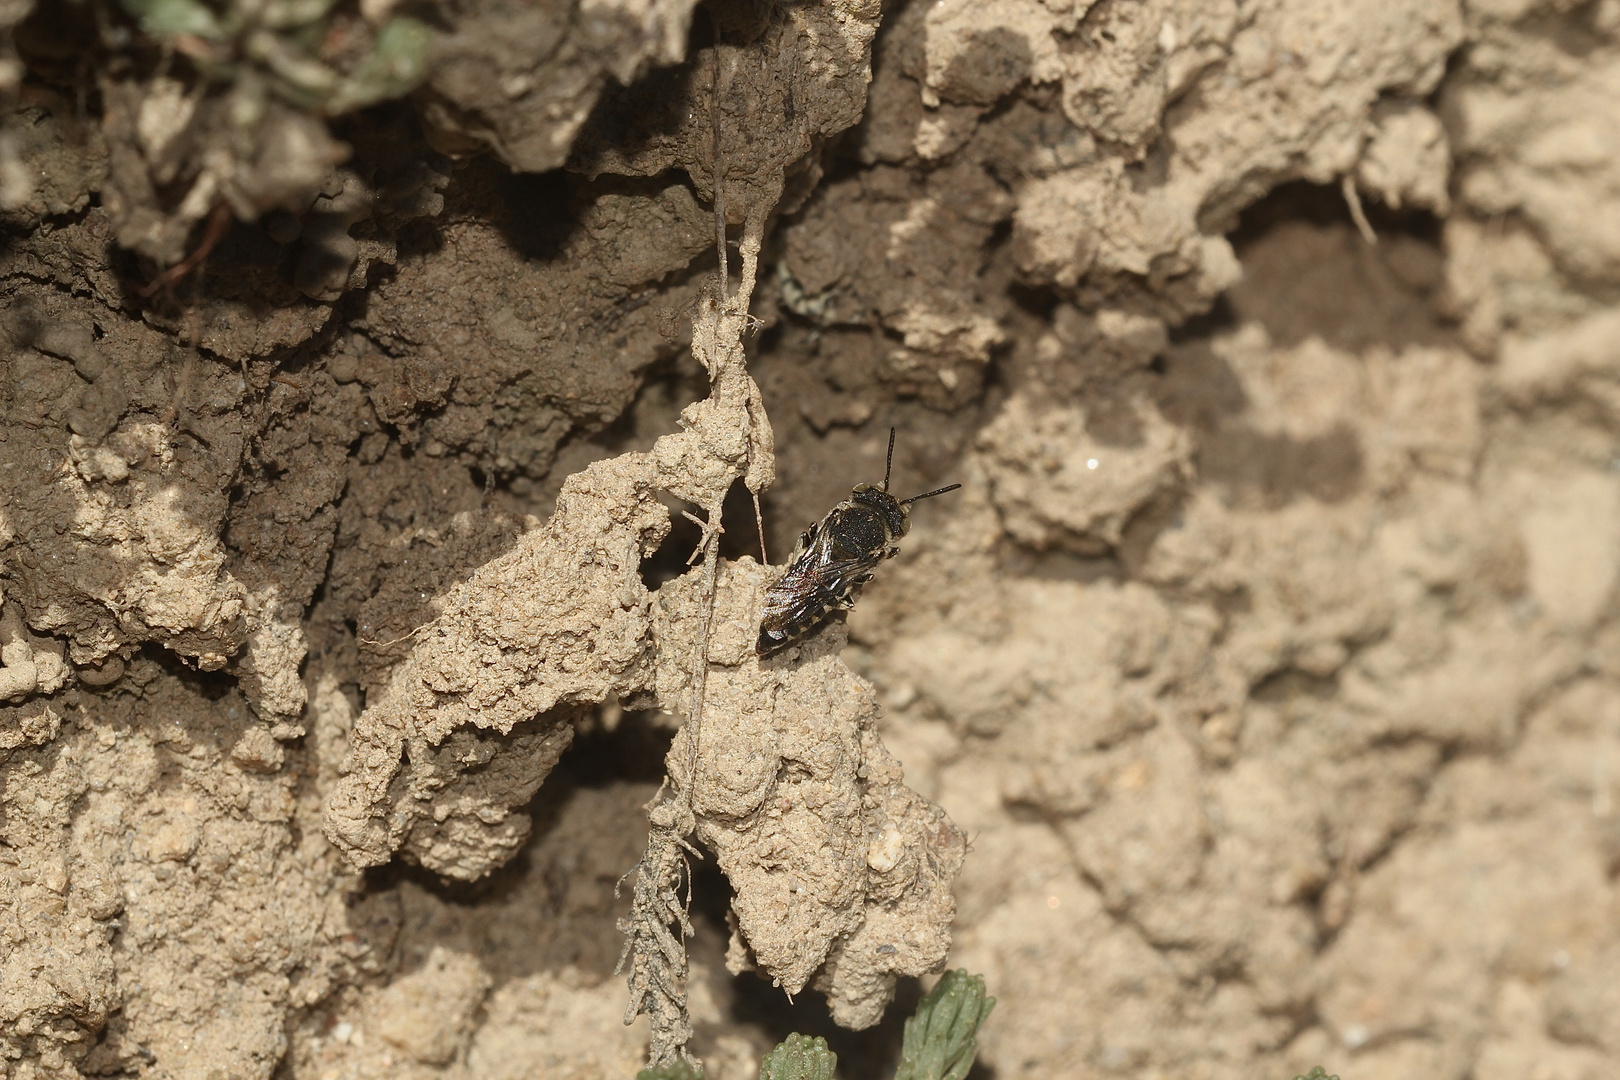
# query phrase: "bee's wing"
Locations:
[[811, 587], [838, 581]]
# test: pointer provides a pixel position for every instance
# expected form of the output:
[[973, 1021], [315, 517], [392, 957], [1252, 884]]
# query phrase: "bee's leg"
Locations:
[[839, 601]]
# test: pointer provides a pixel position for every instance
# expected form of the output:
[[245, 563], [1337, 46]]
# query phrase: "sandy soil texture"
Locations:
[[369, 649]]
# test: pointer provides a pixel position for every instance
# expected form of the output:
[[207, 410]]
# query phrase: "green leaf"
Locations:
[[398, 62], [1317, 1073], [799, 1057], [164, 19], [291, 14], [941, 1040]]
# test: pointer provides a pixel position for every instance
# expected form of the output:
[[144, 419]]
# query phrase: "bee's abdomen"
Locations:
[[772, 638], [791, 613]]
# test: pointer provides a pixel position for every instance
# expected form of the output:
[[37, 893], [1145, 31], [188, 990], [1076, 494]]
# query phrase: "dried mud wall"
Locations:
[[1267, 659]]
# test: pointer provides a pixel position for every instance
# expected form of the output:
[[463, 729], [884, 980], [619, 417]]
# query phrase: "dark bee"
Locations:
[[834, 558]]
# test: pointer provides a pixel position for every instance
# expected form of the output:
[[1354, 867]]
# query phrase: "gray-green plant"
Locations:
[[680, 1070], [277, 42], [942, 1038], [799, 1057], [940, 1042]]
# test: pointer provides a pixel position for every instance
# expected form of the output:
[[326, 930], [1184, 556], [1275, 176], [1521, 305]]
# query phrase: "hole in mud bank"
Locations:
[[1307, 271], [551, 906], [529, 208], [1037, 301], [741, 536], [607, 751], [52, 37], [1290, 684], [209, 685], [241, 265]]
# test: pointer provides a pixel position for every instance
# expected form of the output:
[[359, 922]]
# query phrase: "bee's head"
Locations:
[[889, 509]]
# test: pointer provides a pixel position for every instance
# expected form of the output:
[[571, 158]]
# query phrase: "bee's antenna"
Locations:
[[889, 464], [930, 494]]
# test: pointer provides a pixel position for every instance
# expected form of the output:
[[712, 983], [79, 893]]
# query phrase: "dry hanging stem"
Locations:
[[658, 924], [654, 954]]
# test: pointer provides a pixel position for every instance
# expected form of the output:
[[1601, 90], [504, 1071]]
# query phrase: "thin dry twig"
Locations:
[[218, 221], [719, 170], [759, 523], [658, 923], [709, 528], [700, 655], [1352, 199]]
